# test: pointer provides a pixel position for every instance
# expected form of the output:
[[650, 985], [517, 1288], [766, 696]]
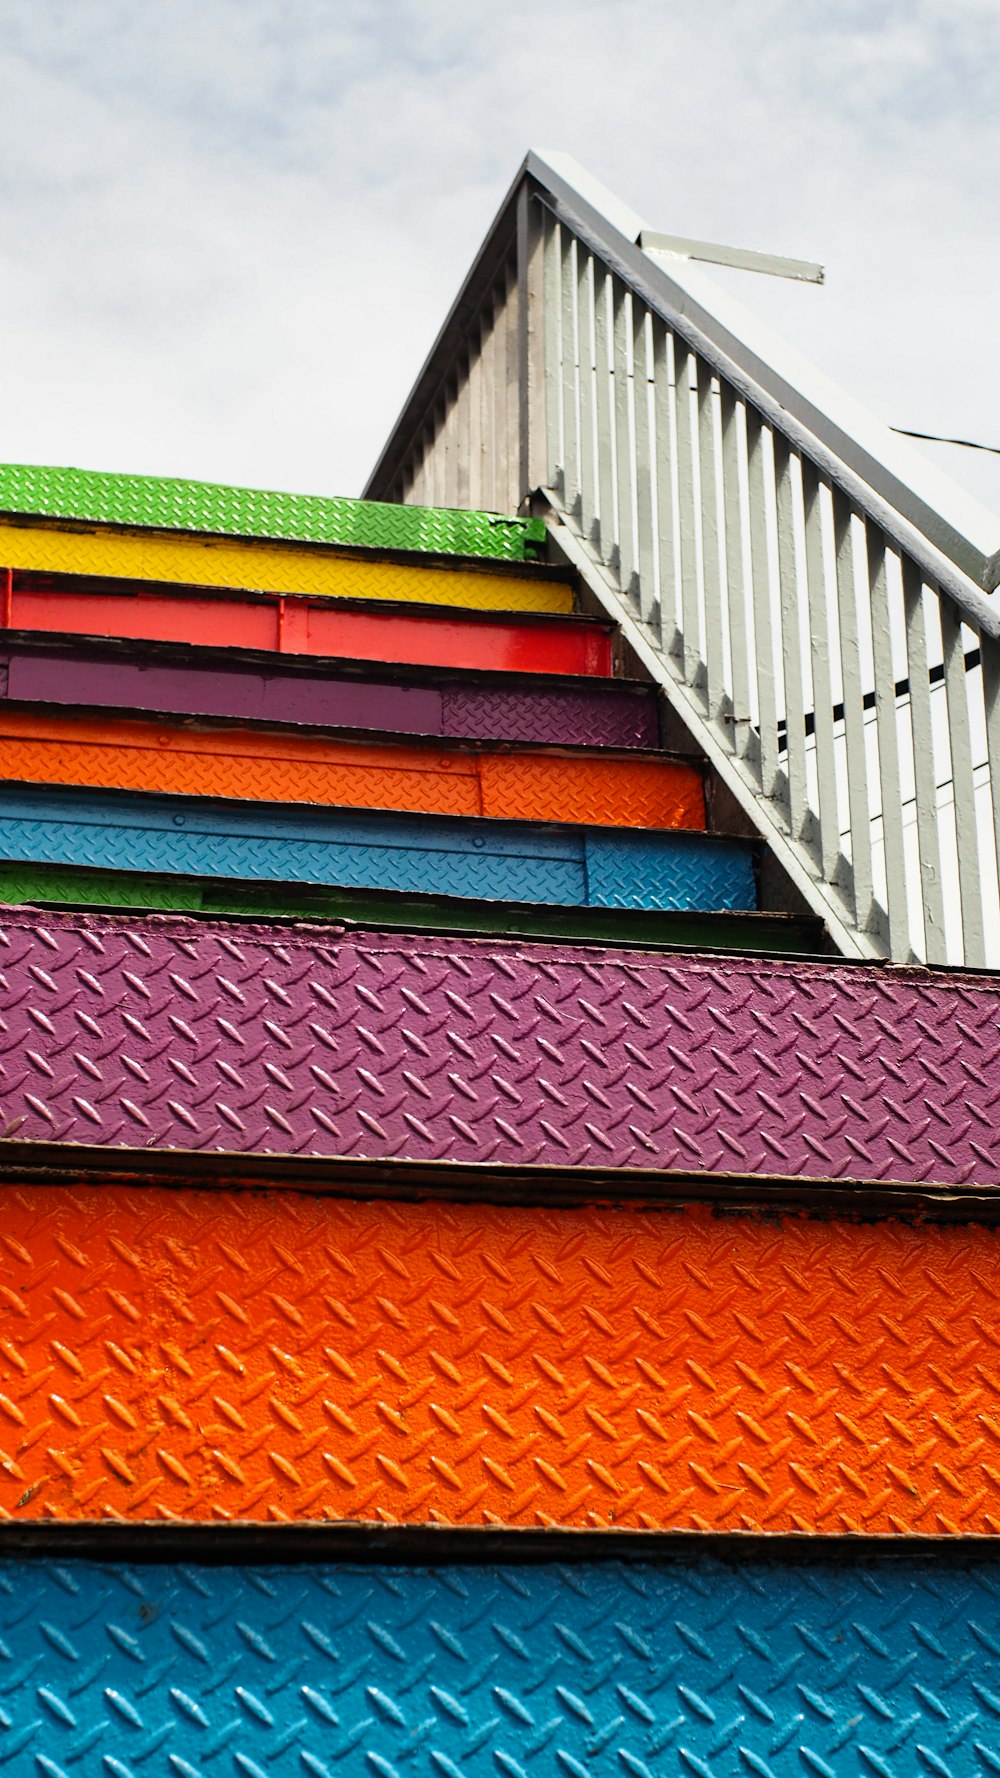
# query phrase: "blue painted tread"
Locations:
[[417, 854], [819, 1669]]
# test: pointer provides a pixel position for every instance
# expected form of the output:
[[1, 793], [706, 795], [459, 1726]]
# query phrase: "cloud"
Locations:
[[228, 233]]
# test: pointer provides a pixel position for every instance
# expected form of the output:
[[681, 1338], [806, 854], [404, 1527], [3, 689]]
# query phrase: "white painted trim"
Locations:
[[820, 897]]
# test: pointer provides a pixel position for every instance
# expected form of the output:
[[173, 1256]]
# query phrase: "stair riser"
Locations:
[[479, 1051], [276, 767], [478, 708], [761, 1666], [469, 1364], [779, 934], [169, 503], [296, 626], [272, 568], [490, 860]]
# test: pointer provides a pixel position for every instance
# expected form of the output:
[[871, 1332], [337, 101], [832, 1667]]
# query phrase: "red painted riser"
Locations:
[[348, 629]]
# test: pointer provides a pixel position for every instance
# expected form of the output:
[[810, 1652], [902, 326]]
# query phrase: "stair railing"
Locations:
[[814, 621]]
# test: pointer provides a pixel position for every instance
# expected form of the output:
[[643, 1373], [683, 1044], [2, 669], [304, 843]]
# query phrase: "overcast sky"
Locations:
[[229, 229]]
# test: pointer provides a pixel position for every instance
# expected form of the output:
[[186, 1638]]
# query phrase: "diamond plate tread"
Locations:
[[350, 629], [593, 790], [700, 1667], [637, 929], [482, 707], [491, 714], [168, 503], [415, 854], [173, 1033], [211, 1354], [50, 748], [272, 568]]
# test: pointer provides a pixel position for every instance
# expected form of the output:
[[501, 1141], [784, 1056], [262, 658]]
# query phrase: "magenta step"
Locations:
[[205, 1035], [476, 706]]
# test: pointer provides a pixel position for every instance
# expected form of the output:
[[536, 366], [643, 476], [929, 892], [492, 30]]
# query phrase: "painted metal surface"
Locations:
[[700, 1666], [350, 629], [163, 1032], [276, 767], [636, 929], [272, 568], [417, 854], [231, 1354], [479, 707], [168, 503]]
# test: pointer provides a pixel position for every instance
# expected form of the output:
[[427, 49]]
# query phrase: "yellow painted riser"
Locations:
[[269, 568]]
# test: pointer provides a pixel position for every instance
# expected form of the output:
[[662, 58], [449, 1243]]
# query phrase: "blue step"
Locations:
[[820, 1668], [416, 854]]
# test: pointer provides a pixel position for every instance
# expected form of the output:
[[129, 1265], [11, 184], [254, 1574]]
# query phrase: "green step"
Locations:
[[166, 503], [769, 934]]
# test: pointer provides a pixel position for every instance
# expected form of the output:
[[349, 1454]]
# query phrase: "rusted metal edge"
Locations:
[[371, 1541], [55, 1163]]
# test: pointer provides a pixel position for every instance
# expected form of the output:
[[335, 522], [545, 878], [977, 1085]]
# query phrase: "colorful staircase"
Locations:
[[484, 1289]]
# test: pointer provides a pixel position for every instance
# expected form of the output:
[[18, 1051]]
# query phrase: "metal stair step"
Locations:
[[269, 567], [772, 1666], [248, 687], [353, 628], [488, 860], [640, 929], [172, 503], [394, 1048], [598, 788], [474, 1364]]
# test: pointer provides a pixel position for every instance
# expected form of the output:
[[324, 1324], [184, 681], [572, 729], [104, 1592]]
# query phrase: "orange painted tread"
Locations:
[[257, 1355], [595, 789]]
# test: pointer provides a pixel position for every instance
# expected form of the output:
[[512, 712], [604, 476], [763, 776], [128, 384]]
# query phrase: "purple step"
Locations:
[[203, 1035], [469, 706]]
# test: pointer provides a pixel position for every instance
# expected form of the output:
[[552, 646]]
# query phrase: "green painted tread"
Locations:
[[166, 503], [769, 934]]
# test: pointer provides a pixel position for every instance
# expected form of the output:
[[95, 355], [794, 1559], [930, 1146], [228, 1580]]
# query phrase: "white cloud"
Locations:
[[229, 229]]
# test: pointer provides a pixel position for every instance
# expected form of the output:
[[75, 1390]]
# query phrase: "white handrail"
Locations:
[[812, 618]]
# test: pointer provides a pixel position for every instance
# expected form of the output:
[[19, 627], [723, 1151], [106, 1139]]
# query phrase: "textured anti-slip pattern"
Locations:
[[603, 791], [349, 629], [701, 1666], [273, 568], [413, 854], [482, 708], [638, 929], [213, 1354], [166, 1032], [167, 503]]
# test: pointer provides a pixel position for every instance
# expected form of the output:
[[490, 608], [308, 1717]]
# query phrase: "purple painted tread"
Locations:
[[202, 1035], [474, 706]]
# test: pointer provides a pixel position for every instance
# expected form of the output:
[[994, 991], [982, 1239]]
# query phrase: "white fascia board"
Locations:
[[621, 216]]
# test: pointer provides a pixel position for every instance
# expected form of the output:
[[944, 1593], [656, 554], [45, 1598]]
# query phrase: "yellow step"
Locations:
[[271, 567]]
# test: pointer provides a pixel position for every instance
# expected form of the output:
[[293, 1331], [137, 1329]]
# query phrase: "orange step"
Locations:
[[597, 789], [280, 1356]]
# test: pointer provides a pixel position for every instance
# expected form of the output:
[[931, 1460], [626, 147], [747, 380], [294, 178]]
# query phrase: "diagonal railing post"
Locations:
[[813, 621]]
